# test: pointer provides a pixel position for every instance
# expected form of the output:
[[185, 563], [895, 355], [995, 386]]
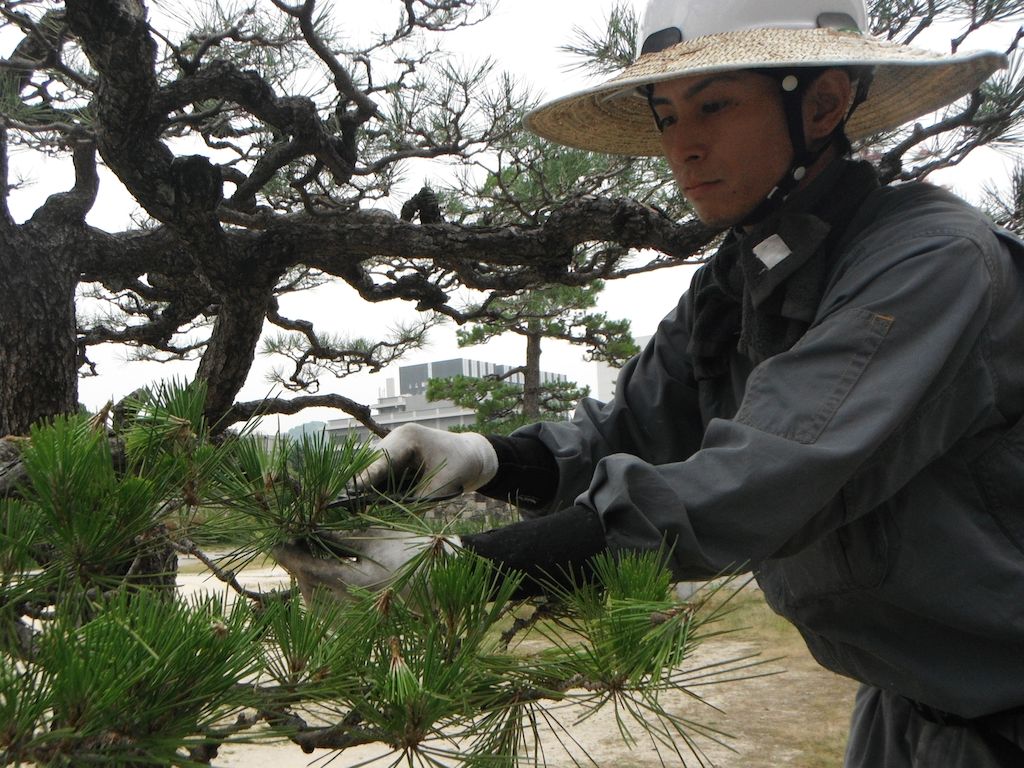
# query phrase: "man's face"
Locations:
[[725, 139]]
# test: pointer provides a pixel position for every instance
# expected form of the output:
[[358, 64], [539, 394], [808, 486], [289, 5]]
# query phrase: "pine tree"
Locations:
[[555, 312]]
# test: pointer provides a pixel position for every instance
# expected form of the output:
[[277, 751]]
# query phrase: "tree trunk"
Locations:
[[38, 349], [230, 351], [531, 376]]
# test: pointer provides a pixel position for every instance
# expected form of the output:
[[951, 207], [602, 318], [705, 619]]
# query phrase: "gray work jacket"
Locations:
[[872, 476]]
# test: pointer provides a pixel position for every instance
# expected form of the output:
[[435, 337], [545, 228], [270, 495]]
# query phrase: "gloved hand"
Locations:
[[445, 463], [369, 559]]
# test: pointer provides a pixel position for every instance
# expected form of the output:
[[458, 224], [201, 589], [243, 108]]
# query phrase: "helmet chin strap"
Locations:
[[793, 84]]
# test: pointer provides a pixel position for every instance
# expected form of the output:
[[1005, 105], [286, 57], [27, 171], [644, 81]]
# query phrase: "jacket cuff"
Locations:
[[527, 473], [555, 549]]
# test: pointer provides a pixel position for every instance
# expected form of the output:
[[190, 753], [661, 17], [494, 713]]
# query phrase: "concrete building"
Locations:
[[402, 409], [410, 403]]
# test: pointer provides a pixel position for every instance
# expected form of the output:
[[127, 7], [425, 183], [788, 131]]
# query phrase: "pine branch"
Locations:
[[6, 221], [247, 411], [186, 546]]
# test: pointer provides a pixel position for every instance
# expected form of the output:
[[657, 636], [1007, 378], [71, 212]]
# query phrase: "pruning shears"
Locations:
[[360, 501]]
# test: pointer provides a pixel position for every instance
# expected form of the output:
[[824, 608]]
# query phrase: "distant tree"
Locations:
[[557, 312], [498, 403]]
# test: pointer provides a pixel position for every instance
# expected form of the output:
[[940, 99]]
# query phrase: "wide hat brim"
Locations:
[[614, 117]]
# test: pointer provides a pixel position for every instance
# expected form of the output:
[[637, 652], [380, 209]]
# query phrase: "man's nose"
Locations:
[[683, 147]]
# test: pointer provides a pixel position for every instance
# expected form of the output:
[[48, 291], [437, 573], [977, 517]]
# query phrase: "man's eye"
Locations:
[[710, 107], [664, 122]]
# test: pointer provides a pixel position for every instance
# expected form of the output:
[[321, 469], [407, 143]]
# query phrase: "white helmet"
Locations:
[[667, 22]]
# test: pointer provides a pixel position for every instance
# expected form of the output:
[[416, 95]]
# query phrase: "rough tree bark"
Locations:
[[39, 364], [531, 373]]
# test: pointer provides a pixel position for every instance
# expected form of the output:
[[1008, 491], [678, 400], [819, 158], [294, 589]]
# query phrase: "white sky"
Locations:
[[523, 36]]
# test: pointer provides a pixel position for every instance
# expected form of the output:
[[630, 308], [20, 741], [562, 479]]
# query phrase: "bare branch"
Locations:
[[6, 222], [72, 206], [186, 546], [366, 107], [241, 412], [314, 355]]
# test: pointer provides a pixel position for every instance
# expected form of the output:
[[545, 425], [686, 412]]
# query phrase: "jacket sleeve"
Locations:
[[875, 379]]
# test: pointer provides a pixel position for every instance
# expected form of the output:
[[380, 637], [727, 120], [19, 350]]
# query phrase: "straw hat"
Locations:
[[708, 36]]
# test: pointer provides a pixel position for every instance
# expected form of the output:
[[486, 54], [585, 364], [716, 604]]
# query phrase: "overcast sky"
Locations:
[[523, 36]]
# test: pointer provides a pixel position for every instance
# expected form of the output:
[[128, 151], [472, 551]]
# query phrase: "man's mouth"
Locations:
[[696, 189]]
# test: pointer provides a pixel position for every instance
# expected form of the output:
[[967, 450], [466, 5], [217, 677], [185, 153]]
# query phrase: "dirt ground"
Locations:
[[795, 717]]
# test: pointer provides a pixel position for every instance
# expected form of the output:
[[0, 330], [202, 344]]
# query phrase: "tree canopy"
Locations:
[[254, 187]]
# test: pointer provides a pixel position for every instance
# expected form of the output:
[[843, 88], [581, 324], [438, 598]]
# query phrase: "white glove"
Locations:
[[377, 554], [446, 463]]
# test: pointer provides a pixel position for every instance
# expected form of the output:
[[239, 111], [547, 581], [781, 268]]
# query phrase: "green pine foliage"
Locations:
[[104, 662], [142, 679], [287, 489]]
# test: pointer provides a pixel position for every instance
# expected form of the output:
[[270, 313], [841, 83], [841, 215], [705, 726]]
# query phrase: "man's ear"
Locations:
[[826, 103]]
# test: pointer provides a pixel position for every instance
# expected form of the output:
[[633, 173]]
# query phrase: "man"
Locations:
[[837, 401]]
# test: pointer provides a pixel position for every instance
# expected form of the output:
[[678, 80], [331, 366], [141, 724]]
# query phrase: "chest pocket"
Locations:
[[783, 400], [999, 475]]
